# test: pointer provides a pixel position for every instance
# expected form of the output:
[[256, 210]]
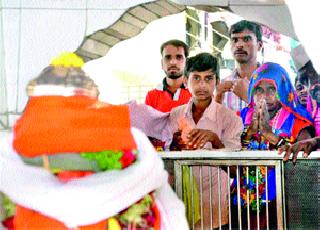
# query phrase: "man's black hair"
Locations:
[[176, 43], [302, 80], [202, 62], [244, 24]]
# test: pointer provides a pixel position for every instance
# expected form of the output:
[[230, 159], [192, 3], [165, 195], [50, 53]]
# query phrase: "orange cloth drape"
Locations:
[[27, 219], [75, 124], [57, 124]]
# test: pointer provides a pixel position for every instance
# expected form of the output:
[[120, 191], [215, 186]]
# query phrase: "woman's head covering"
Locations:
[[278, 76]]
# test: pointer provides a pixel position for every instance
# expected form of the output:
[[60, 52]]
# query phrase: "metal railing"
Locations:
[[203, 177]]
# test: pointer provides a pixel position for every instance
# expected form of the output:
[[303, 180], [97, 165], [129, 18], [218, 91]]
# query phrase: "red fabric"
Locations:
[[8, 223], [57, 124], [298, 126], [157, 223], [66, 176], [163, 101]]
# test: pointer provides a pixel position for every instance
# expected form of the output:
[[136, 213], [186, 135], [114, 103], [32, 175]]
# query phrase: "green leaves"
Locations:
[[106, 160]]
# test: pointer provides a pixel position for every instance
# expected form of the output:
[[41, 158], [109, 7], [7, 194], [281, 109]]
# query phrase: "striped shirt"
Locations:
[[231, 100]]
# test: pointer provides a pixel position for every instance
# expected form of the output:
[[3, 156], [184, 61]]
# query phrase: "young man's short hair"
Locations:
[[176, 43], [202, 62], [244, 24]]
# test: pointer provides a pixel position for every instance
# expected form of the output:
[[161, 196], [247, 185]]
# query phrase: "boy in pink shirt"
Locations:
[[209, 125]]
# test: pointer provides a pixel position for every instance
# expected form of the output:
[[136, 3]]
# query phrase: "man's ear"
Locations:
[[217, 81], [162, 64], [185, 81]]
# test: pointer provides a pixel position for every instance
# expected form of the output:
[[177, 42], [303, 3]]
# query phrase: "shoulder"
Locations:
[[154, 91], [179, 109]]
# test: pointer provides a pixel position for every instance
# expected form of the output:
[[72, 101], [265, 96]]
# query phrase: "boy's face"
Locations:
[[202, 84]]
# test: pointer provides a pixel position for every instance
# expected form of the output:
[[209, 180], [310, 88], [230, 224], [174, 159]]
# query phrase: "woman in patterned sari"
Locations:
[[272, 118]]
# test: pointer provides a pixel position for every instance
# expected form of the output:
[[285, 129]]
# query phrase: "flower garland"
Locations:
[[250, 185], [110, 159], [140, 215]]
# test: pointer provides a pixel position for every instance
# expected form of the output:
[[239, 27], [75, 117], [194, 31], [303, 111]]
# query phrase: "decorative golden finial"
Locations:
[[67, 59]]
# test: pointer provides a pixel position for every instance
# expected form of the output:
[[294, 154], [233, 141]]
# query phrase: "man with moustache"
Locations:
[[246, 42], [172, 92]]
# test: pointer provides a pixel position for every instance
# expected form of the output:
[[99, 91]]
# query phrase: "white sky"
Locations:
[[139, 55]]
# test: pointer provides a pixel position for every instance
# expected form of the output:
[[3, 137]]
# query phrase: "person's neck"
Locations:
[[174, 84], [244, 70], [200, 106]]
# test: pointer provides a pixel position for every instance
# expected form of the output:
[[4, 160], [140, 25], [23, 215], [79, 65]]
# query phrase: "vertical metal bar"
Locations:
[[201, 203], [248, 198], [229, 198], [178, 178], [219, 196], [257, 192], [192, 199], [279, 195], [210, 196], [267, 198], [281, 165], [238, 198]]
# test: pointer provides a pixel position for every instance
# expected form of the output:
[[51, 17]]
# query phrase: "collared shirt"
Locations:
[[217, 118], [228, 127], [163, 100]]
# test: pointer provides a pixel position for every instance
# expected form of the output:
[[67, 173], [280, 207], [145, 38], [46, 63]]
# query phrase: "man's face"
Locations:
[[202, 84], [266, 91], [244, 46], [173, 61], [302, 92]]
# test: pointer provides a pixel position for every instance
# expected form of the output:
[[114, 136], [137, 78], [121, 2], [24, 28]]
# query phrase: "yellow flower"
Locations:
[[251, 198], [113, 224], [262, 170], [67, 59], [255, 76]]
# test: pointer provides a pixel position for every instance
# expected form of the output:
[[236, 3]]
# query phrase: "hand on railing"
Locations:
[[195, 139], [307, 146]]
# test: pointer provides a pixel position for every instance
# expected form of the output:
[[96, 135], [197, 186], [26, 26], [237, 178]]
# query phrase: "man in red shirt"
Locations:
[[172, 92]]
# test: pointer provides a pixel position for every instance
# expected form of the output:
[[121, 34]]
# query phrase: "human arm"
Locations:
[[251, 129], [240, 88], [264, 124], [305, 143], [232, 130], [177, 143], [221, 88]]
